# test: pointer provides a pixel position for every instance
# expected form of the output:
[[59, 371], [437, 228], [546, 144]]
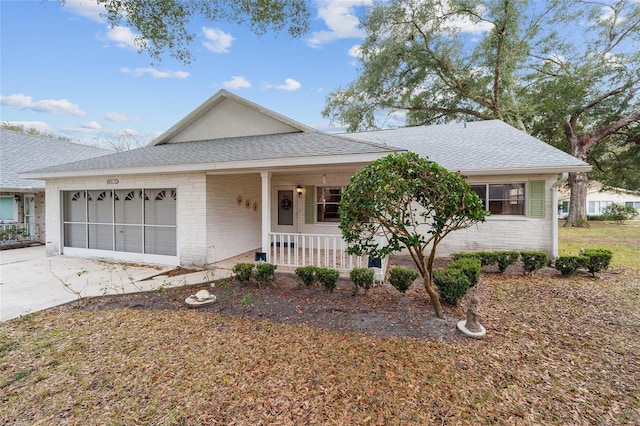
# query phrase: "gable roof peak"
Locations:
[[216, 101]]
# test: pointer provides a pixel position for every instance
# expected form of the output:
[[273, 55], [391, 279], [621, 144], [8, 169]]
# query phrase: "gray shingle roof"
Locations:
[[20, 152], [482, 145], [207, 152]]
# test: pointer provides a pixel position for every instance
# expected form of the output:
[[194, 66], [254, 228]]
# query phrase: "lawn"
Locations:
[[558, 350], [623, 240]]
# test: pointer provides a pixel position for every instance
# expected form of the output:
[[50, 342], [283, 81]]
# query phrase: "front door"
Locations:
[[30, 214], [284, 211]]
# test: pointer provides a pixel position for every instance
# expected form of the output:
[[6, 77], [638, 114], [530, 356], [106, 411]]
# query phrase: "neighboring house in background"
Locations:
[[233, 177], [598, 199], [22, 201]]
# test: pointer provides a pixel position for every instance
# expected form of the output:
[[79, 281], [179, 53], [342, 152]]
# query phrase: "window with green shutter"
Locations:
[[309, 204], [536, 198]]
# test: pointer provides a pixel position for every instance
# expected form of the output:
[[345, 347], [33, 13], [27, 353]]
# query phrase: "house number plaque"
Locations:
[[112, 181]]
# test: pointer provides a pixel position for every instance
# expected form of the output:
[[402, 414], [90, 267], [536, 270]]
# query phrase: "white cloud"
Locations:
[[22, 101], [340, 17], [40, 126], [123, 37], [289, 85], [92, 125], [115, 116], [86, 8], [138, 72], [237, 82], [356, 51], [217, 40]]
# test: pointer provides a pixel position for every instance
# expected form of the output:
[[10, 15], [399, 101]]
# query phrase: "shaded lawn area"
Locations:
[[623, 240], [558, 351]]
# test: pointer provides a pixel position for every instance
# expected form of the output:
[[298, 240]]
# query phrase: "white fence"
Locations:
[[16, 232], [329, 251]]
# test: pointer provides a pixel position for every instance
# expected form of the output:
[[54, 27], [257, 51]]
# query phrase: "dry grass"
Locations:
[[558, 351]]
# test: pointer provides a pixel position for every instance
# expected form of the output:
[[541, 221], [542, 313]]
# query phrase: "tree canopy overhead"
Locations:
[[163, 25], [566, 71], [406, 201]]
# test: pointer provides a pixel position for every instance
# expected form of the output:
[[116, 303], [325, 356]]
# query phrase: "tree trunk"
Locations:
[[433, 295], [578, 183]]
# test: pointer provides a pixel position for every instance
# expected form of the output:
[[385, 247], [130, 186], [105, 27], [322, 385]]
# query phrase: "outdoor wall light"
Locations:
[[16, 197], [299, 190]]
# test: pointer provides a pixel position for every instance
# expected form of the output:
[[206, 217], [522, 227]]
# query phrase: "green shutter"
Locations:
[[309, 204], [536, 198]]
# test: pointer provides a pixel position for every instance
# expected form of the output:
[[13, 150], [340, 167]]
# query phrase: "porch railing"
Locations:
[[16, 232], [329, 251]]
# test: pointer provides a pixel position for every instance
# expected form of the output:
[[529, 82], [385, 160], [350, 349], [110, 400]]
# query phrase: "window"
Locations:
[[327, 201], [502, 199], [8, 209], [563, 208], [634, 204], [596, 208]]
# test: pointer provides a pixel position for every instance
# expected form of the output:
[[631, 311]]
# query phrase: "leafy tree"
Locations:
[[404, 201], [33, 132], [616, 163], [420, 59], [163, 25], [584, 91]]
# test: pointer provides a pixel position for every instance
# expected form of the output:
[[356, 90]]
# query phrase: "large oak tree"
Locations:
[[565, 71]]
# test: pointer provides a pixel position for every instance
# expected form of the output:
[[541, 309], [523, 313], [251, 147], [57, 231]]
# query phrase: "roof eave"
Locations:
[[247, 165], [527, 170]]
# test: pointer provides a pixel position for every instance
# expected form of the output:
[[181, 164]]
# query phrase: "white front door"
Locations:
[[30, 213], [284, 210]]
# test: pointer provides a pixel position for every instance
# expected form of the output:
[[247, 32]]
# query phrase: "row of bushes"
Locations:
[[531, 260], [262, 273], [593, 260]]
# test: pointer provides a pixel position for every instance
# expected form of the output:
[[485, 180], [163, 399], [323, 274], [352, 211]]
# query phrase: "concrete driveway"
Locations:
[[30, 281]]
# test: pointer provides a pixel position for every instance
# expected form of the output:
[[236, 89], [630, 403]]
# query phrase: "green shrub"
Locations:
[[265, 273], [596, 260], [362, 278], [568, 265], [328, 278], [506, 259], [487, 258], [402, 278], [533, 260], [457, 256], [452, 283], [307, 274], [242, 272], [470, 266], [619, 213]]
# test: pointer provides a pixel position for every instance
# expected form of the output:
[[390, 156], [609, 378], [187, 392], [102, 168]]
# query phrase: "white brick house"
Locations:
[[233, 177]]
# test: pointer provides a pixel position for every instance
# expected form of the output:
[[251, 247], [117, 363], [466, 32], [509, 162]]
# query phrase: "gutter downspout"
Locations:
[[554, 210]]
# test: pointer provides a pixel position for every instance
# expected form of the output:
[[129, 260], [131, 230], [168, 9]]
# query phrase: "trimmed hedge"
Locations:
[[243, 272], [361, 278], [533, 260], [402, 278], [328, 278], [265, 273], [596, 260], [470, 266], [568, 265], [453, 284], [307, 274]]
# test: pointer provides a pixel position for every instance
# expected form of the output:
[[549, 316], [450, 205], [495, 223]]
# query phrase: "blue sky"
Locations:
[[64, 71]]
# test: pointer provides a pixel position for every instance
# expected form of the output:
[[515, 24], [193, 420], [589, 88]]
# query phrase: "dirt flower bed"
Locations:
[[558, 351]]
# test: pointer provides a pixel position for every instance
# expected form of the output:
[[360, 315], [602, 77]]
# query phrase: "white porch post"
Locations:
[[266, 211]]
